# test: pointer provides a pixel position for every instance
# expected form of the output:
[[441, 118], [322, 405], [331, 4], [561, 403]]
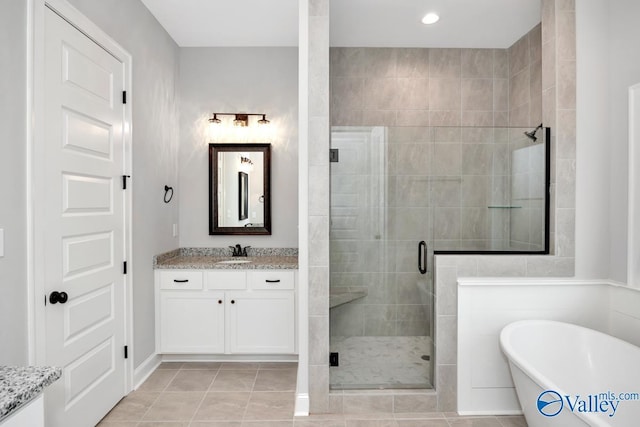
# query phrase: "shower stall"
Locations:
[[401, 194]]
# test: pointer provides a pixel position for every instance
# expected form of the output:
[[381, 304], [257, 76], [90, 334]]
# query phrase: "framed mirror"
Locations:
[[239, 189]]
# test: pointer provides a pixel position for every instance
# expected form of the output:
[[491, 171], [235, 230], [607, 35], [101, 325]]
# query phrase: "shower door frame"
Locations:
[[379, 228], [547, 213]]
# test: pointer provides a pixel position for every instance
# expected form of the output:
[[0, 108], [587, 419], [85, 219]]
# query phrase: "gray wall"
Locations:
[[624, 71], [607, 65], [593, 155], [13, 123], [155, 146], [251, 80]]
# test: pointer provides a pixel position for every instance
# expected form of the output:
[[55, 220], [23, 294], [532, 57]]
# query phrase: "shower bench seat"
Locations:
[[344, 295]]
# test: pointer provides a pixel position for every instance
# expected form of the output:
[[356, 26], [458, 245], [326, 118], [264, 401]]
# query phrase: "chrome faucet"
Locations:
[[239, 250]]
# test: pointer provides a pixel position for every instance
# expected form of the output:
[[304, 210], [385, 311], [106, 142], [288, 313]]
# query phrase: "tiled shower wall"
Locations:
[[419, 87], [525, 79], [525, 110], [444, 164]]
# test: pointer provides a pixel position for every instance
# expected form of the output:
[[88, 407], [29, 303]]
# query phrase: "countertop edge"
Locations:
[[183, 262], [33, 381]]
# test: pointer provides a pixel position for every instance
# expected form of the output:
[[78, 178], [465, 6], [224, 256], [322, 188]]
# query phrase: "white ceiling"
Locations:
[[380, 23], [463, 23], [228, 22]]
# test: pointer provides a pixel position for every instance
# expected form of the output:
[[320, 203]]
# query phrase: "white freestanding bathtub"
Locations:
[[567, 375]]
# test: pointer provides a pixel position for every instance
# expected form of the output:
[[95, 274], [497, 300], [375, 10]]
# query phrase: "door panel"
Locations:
[[86, 135], [88, 371], [85, 313], [86, 72], [86, 194], [83, 224]]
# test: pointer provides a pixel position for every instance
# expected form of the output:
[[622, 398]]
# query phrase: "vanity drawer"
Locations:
[[274, 279], [177, 279], [226, 280]]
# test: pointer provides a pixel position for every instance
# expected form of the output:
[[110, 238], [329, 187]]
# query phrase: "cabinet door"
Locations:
[[191, 322], [261, 322]]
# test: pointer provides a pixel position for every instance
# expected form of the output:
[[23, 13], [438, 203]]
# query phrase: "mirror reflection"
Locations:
[[239, 189]]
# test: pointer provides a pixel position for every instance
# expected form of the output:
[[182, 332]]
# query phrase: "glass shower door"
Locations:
[[381, 288]]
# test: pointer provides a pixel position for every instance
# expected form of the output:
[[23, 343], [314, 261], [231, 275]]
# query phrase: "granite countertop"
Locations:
[[213, 262], [20, 384], [211, 258]]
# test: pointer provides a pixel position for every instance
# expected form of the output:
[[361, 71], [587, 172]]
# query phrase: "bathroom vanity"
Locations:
[[216, 305]]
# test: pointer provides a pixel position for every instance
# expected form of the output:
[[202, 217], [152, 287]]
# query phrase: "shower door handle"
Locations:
[[422, 257]]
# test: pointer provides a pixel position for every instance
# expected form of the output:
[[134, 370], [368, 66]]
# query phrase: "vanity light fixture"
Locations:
[[239, 119], [246, 160]]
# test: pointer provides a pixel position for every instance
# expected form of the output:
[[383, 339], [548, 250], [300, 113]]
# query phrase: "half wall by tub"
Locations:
[[567, 375]]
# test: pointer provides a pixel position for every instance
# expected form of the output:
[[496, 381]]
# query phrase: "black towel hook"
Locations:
[[168, 193]]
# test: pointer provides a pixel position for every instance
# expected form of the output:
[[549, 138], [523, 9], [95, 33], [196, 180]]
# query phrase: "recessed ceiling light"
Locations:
[[430, 18]]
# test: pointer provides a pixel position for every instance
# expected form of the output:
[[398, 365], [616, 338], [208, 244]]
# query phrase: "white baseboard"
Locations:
[[488, 413], [302, 405], [146, 368], [265, 358]]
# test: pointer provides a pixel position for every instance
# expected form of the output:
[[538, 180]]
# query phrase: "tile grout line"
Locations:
[[204, 395], [149, 408], [158, 396], [246, 408]]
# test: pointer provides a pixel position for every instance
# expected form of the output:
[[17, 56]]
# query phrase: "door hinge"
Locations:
[[124, 181], [334, 155], [334, 359], [124, 267], [124, 96], [126, 351]]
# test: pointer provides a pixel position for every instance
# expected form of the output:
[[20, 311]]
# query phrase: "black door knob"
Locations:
[[233, 301], [58, 297]]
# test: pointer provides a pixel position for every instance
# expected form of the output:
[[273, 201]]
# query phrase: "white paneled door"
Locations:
[[83, 222]]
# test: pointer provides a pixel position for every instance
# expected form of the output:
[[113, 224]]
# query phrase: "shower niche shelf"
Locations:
[[340, 296]]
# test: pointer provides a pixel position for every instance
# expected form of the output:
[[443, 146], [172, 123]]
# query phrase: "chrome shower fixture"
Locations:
[[532, 134]]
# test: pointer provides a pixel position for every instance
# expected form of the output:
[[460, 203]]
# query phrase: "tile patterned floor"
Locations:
[[381, 362], [212, 394]]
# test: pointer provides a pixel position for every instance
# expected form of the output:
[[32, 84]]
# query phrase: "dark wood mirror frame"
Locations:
[[214, 227]]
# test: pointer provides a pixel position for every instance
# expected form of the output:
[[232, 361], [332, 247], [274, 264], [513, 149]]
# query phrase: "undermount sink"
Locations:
[[234, 261]]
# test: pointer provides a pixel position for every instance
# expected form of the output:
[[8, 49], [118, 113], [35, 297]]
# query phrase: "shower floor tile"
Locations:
[[381, 362]]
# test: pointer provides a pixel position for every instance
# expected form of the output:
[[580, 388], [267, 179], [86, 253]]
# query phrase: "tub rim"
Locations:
[[509, 350], [536, 375]]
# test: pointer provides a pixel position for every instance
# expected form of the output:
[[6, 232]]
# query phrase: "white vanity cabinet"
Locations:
[[225, 311]]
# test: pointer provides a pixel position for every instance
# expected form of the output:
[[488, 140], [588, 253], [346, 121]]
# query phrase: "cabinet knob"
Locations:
[[219, 301], [233, 301]]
